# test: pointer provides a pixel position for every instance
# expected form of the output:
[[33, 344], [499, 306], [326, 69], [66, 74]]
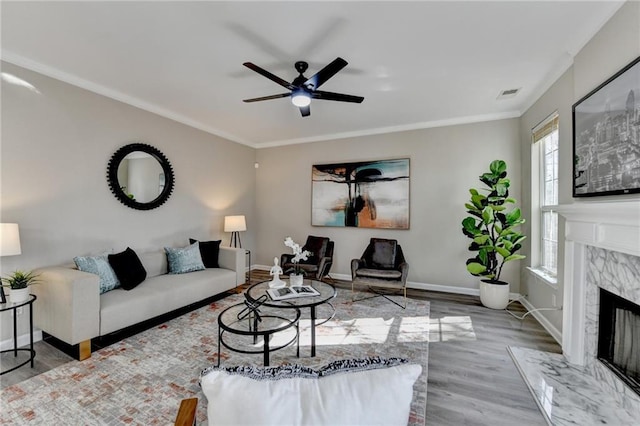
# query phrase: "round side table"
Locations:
[[32, 353], [255, 320]]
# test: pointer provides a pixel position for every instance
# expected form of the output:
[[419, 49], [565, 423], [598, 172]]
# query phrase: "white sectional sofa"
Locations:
[[71, 309]]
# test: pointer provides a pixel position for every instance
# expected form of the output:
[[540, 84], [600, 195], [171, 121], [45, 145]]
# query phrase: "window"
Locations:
[[545, 150]]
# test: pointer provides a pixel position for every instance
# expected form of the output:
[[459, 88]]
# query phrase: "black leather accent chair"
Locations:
[[382, 265], [318, 265]]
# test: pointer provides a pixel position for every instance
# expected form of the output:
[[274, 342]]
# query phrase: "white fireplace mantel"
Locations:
[[611, 225]]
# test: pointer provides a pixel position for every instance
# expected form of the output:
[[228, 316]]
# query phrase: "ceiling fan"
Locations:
[[303, 89]]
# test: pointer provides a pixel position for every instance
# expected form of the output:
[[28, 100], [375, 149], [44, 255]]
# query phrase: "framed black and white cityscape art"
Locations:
[[606, 137], [364, 194]]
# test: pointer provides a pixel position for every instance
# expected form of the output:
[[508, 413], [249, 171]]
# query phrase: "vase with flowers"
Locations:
[[296, 277]]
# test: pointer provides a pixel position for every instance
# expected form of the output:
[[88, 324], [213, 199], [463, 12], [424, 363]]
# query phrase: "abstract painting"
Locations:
[[364, 194]]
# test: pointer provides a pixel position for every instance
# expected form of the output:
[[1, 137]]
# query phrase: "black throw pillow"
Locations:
[[209, 252], [128, 268]]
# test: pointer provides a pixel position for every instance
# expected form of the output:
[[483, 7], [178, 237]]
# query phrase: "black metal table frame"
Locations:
[[254, 332], [312, 311], [15, 350]]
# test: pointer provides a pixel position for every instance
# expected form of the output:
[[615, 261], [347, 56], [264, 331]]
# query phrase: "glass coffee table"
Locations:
[[254, 320], [327, 292]]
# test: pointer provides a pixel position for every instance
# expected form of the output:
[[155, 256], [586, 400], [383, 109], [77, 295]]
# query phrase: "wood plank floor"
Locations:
[[472, 379]]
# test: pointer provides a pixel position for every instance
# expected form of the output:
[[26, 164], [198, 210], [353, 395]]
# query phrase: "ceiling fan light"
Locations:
[[301, 99]]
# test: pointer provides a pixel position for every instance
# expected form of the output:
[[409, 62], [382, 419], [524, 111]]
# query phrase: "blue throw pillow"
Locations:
[[99, 265], [182, 260]]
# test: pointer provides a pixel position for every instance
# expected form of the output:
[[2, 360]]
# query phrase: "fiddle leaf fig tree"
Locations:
[[492, 225]]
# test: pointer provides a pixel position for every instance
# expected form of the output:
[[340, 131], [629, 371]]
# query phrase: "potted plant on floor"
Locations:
[[492, 229], [18, 284]]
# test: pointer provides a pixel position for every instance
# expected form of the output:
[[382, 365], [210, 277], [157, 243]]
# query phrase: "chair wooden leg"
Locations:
[[187, 412]]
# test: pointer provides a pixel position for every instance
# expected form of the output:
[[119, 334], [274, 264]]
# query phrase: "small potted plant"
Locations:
[[18, 284], [492, 229], [297, 277]]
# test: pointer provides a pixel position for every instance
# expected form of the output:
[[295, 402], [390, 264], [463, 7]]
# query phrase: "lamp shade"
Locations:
[[9, 239], [235, 223]]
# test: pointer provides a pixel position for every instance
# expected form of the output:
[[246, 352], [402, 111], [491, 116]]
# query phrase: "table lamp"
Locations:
[[235, 224], [9, 246]]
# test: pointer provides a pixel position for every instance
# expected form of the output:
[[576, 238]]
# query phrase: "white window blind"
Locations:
[[545, 139]]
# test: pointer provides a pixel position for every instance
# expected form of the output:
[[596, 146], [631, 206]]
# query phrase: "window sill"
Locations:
[[550, 280]]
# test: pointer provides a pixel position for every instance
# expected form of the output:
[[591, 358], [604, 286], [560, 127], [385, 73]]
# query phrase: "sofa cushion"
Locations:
[[209, 251], [155, 263], [370, 391], [99, 265], [381, 274], [185, 259], [128, 268], [159, 295]]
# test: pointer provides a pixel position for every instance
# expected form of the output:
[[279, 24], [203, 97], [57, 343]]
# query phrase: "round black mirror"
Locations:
[[140, 176]]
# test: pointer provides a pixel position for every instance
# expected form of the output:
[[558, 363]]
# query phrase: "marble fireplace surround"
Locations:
[[602, 249], [599, 236]]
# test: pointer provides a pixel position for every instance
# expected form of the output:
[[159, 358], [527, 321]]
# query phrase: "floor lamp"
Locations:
[[235, 224], [9, 246]]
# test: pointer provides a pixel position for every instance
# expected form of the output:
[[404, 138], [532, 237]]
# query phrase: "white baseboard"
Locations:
[[23, 340], [553, 331]]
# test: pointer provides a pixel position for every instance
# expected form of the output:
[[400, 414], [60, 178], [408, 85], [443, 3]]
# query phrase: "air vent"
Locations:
[[509, 93]]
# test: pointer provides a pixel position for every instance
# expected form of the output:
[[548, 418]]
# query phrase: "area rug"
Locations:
[[142, 379]]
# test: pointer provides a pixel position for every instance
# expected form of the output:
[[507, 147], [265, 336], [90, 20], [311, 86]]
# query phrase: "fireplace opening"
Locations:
[[619, 338]]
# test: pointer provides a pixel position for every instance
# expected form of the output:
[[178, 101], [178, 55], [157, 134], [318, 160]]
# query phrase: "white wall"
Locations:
[[56, 145], [444, 162], [613, 47]]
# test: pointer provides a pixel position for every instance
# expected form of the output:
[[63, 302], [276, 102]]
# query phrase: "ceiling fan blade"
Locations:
[[330, 96], [270, 76], [325, 73], [266, 98], [305, 111]]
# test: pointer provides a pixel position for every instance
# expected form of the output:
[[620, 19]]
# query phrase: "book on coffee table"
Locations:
[[292, 292]]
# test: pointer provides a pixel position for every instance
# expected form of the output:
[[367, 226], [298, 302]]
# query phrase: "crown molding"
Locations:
[[74, 80], [395, 129]]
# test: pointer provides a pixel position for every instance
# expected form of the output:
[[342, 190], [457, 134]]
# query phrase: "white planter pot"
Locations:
[[296, 280], [19, 295], [494, 296]]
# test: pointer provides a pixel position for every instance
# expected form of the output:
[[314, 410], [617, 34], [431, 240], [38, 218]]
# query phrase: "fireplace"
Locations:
[[602, 252], [619, 338]]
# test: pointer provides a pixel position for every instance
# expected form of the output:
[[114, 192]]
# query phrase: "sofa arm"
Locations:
[[234, 259], [68, 304], [355, 265], [324, 267], [285, 258], [404, 268]]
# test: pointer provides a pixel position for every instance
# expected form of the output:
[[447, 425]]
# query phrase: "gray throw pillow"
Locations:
[[183, 260], [99, 265]]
